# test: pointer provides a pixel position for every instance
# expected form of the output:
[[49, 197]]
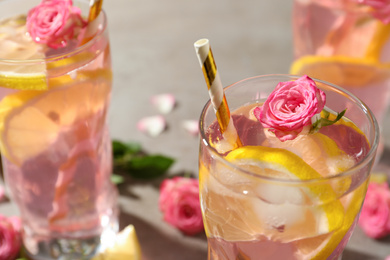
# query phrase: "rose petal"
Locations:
[[179, 203], [191, 126], [164, 102], [153, 125], [10, 239], [374, 217]]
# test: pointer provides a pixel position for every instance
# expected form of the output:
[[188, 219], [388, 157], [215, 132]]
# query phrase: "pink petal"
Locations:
[[153, 125], [164, 102], [191, 126]]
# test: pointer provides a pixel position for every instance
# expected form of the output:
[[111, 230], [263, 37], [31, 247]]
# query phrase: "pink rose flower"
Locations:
[[290, 107], [10, 238], [374, 217], [180, 205], [381, 9], [54, 22]]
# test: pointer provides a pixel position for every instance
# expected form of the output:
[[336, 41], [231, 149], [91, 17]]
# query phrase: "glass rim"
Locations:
[[62, 55], [350, 171], [353, 7]]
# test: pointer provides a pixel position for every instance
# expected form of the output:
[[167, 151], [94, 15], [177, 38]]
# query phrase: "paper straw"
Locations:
[[214, 85], [95, 6]]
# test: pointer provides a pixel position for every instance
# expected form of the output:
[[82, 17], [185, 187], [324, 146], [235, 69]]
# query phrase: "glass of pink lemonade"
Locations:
[[345, 42], [54, 139], [285, 194]]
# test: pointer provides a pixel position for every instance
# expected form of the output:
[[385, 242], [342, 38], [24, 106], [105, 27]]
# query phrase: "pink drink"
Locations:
[[254, 211], [56, 147], [345, 43]]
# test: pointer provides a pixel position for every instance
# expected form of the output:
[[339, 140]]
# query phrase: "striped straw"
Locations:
[[217, 96], [95, 6]]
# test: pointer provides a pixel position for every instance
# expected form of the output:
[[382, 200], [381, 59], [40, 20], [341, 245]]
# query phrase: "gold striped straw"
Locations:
[[217, 96], [95, 6]]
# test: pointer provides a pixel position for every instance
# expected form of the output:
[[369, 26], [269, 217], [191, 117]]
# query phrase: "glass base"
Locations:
[[69, 248]]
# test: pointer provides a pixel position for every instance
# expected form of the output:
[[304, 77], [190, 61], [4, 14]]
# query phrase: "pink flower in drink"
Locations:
[[10, 238], [54, 22], [380, 9], [290, 107], [374, 217], [179, 203]]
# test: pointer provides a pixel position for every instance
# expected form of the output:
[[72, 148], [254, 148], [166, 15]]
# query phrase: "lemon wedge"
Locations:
[[126, 246], [341, 70], [30, 121]]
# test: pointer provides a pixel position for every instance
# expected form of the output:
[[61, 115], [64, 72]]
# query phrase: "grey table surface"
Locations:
[[153, 53]]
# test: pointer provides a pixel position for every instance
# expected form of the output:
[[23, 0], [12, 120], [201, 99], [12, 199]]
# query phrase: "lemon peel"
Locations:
[[23, 81], [126, 246], [275, 158], [331, 243]]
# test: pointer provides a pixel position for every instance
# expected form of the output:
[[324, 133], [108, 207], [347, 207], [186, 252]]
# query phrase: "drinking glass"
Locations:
[[252, 213], [55, 143], [345, 42]]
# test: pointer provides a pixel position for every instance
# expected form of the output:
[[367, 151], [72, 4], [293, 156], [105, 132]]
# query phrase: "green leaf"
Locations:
[[130, 158], [117, 179], [121, 149], [149, 166], [324, 121]]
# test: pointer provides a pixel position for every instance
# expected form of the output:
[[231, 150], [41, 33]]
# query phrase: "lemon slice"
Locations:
[[317, 150], [30, 121], [341, 70], [325, 210], [326, 245], [126, 246], [277, 159], [38, 123], [15, 48]]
